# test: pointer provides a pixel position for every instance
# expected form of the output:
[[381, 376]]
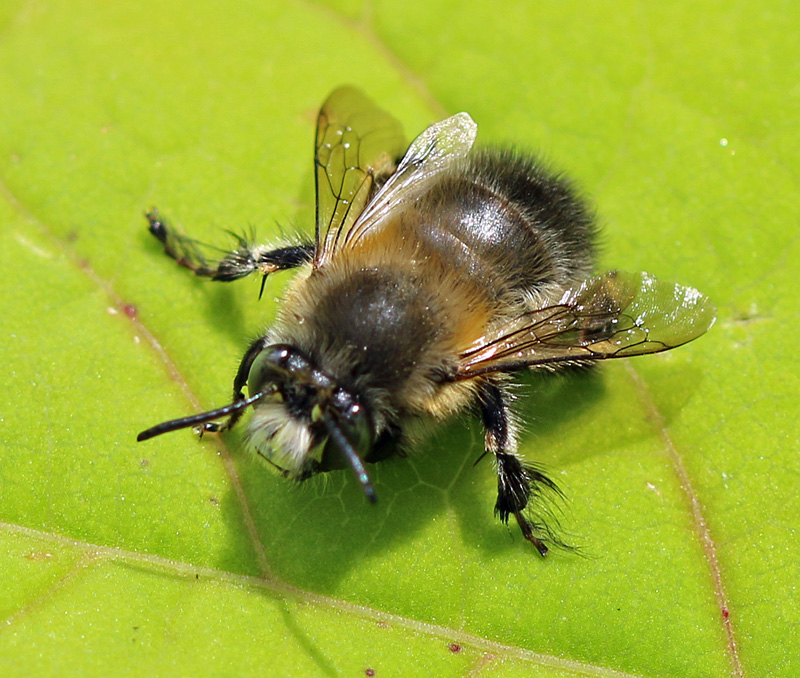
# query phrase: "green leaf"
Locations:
[[179, 557]]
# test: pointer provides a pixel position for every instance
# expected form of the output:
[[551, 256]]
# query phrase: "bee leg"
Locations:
[[239, 382], [238, 263], [515, 480]]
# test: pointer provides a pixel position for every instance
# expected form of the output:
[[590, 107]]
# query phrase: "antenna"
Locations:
[[202, 418], [352, 456]]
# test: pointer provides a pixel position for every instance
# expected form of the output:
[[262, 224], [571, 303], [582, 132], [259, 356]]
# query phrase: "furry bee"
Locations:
[[435, 274]]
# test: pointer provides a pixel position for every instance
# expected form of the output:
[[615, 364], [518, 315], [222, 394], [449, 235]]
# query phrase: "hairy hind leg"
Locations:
[[518, 484]]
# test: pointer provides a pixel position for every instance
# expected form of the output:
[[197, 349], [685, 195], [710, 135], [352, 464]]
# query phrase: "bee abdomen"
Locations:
[[517, 226]]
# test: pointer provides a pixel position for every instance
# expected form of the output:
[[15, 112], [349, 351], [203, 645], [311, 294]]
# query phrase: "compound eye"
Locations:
[[272, 365], [277, 355], [275, 364], [266, 370]]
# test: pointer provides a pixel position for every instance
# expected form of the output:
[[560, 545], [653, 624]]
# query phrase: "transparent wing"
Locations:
[[432, 152], [613, 315], [355, 141]]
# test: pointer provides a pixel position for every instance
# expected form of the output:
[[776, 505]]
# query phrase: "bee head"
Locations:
[[306, 423], [303, 421]]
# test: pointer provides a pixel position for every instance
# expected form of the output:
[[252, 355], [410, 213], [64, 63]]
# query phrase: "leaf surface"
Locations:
[[178, 557]]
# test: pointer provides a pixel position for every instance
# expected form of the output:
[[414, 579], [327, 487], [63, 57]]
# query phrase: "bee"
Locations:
[[436, 273]]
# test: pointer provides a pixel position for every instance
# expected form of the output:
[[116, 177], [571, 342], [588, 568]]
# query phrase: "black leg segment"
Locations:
[[517, 482], [239, 382]]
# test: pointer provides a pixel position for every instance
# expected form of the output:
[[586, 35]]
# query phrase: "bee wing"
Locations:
[[613, 315], [431, 153], [355, 141]]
